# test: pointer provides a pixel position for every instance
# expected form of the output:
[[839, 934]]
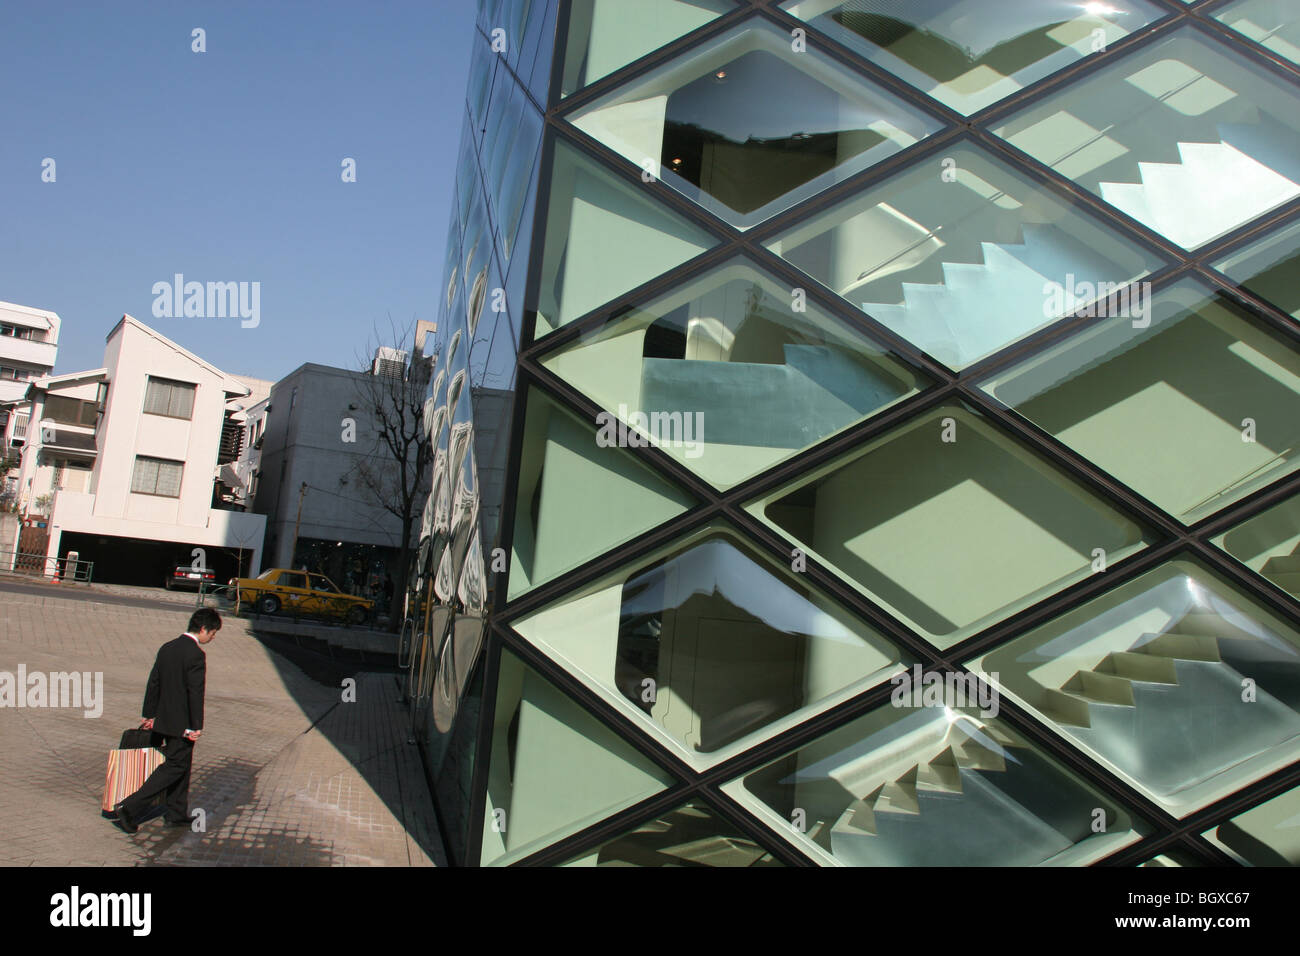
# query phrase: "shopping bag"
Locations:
[[127, 772]]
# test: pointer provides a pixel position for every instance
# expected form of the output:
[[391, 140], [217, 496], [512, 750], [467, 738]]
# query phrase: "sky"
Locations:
[[228, 165]]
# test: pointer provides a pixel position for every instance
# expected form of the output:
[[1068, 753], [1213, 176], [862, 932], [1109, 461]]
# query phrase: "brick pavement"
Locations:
[[286, 772]]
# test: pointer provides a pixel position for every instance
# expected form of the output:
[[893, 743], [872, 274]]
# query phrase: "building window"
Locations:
[[70, 411], [173, 399], [157, 476]]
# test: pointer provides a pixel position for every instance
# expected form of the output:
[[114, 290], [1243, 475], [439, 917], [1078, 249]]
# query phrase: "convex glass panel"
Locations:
[[577, 498], [607, 35], [1184, 135], [932, 786], [1191, 404], [949, 524], [711, 646], [746, 127], [1176, 681], [691, 835], [962, 255], [1266, 835], [1269, 544], [1274, 24], [604, 237], [1269, 268], [968, 54], [731, 373], [543, 744]]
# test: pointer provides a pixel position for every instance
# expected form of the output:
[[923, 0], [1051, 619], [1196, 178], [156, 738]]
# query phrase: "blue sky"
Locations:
[[225, 166]]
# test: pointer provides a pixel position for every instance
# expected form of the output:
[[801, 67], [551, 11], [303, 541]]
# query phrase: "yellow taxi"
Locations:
[[300, 592]]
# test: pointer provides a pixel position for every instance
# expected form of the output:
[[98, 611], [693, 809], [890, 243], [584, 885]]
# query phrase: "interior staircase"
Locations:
[[984, 306], [1284, 571], [1214, 187], [1170, 709], [979, 799]]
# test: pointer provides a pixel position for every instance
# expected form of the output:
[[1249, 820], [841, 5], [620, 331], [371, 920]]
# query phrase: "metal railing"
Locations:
[[226, 596], [38, 565]]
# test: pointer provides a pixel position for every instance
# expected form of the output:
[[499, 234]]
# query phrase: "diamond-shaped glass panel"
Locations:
[[691, 835], [746, 127], [711, 646], [607, 35], [577, 498], [1266, 835], [949, 524], [1274, 24], [1176, 681], [1269, 544], [604, 237], [1269, 268], [968, 54], [1189, 403], [554, 768], [932, 786], [962, 256], [1184, 135], [731, 374]]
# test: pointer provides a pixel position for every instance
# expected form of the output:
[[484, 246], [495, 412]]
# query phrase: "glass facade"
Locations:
[[867, 438]]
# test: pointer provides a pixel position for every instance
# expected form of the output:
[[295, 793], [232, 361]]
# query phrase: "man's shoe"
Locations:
[[123, 820], [188, 822]]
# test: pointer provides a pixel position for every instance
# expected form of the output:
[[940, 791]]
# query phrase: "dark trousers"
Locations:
[[172, 779]]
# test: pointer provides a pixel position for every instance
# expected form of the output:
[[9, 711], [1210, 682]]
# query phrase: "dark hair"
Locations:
[[204, 617]]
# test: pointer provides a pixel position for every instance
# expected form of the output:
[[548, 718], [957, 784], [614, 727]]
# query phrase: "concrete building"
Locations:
[[29, 346], [154, 427], [310, 446]]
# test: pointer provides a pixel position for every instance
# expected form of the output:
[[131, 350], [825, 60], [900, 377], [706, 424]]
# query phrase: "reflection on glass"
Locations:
[[691, 835], [594, 219], [454, 776], [931, 787], [968, 54], [578, 499], [1175, 681], [1184, 135], [746, 127], [728, 378], [960, 526], [1269, 268], [543, 744], [1191, 405], [711, 646], [1266, 835], [1269, 544], [1270, 23], [606, 35], [963, 256]]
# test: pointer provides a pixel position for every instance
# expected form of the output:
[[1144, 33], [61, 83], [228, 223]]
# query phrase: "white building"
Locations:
[[155, 426], [29, 345]]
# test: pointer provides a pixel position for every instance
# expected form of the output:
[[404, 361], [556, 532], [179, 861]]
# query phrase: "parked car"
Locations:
[[185, 576], [300, 592]]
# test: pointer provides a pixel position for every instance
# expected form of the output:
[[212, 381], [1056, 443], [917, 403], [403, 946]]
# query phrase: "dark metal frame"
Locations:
[[1170, 538]]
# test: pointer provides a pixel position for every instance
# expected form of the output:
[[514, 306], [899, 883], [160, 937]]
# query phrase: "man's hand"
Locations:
[[146, 724], [193, 735]]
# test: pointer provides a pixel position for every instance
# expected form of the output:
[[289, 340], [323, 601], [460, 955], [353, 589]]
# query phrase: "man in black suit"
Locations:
[[173, 710]]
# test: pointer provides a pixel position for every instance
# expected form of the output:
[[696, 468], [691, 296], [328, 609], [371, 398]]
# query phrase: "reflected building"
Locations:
[[801, 364]]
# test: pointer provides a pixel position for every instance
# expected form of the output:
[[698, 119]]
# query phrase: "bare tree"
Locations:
[[393, 464]]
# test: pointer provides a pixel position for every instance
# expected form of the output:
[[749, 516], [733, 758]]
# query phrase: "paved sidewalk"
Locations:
[[287, 772]]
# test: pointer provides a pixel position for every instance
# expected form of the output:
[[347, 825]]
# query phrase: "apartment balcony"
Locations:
[[25, 350]]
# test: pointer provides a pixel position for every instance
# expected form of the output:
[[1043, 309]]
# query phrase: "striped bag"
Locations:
[[127, 772]]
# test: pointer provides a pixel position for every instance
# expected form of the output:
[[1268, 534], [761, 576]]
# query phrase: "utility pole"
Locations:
[[302, 493]]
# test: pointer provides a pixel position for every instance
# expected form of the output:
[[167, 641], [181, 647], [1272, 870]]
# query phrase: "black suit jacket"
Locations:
[[174, 697]]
